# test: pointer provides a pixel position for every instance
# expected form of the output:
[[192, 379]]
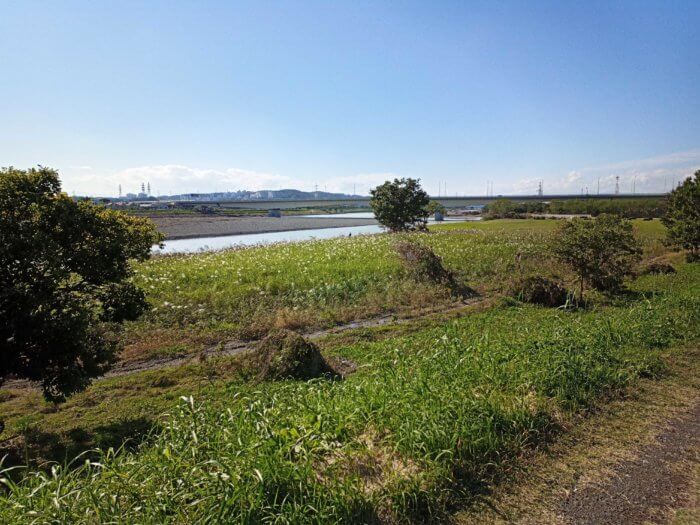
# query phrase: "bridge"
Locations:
[[448, 202]]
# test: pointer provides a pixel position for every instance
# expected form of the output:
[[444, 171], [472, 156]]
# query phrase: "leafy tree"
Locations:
[[400, 205], [601, 251], [435, 207], [64, 281], [682, 218], [500, 208]]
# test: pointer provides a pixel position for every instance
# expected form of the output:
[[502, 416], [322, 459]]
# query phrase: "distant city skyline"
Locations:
[[469, 97]]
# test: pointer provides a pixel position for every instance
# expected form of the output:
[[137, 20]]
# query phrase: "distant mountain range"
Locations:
[[243, 195]]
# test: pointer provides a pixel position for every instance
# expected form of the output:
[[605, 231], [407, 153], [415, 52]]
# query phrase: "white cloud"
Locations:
[[173, 179], [360, 184], [649, 175]]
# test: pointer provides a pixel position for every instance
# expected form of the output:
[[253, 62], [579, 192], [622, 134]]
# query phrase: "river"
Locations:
[[202, 244]]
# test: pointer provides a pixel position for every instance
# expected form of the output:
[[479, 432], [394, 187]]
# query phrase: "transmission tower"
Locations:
[[143, 188], [120, 191], [617, 184], [539, 189], [148, 187]]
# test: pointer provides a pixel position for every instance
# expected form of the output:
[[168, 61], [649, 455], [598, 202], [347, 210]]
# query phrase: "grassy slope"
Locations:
[[425, 421], [203, 298], [304, 284], [317, 276]]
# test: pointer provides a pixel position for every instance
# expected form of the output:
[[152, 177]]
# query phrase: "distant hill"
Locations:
[[244, 195]]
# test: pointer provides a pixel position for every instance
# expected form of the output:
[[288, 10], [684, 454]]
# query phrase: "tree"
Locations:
[[64, 281], [400, 205], [601, 251], [682, 217], [500, 208], [435, 207]]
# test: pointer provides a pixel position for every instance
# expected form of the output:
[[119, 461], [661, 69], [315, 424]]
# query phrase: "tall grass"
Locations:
[[319, 283], [425, 420], [245, 292]]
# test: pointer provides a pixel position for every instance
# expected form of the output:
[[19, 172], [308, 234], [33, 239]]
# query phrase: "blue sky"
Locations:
[[208, 96]]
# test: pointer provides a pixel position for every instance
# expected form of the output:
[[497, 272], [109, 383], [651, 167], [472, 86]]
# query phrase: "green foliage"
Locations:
[[435, 207], [602, 251], [425, 418], [643, 207], [683, 216], [422, 263], [218, 295], [64, 270], [658, 268], [540, 290], [285, 354], [646, 207], [510, 209], [400, 205]]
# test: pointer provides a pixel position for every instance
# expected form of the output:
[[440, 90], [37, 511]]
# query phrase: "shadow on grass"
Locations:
[[628, 297], [36, 448]]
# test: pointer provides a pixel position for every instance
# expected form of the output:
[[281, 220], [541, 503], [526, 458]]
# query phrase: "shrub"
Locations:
[[285, 354], [540, 290], [601, 251], [401, 205], [64, 275], [422, 263], [683, 217], [658, 268]]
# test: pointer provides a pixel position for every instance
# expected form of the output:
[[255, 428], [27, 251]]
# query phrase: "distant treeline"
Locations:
[[644, 207]]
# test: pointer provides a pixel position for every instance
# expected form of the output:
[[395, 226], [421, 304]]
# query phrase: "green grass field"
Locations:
[[428, 418], [203, 298]]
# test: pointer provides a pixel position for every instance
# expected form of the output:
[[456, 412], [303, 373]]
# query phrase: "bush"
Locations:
[[540, 290], [601, 251], [658, 268], [285, 354], [424, 266], [422, 263], [683, 217]]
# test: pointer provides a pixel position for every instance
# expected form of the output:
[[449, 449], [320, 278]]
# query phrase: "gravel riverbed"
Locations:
[[191, 227]]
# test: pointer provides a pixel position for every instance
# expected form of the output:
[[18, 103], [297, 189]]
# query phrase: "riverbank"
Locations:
[[430, 419], [192, 227]]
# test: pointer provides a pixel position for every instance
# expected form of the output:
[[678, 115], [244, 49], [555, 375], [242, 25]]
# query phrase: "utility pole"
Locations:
[[598, 185], [634, 185]]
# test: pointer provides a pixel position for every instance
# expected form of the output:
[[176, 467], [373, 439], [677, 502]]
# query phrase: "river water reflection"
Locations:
[[229, 241]]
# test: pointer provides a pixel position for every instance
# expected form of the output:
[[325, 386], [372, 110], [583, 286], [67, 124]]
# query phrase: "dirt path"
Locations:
[[646, 488], [231, 348], [634, 460]]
